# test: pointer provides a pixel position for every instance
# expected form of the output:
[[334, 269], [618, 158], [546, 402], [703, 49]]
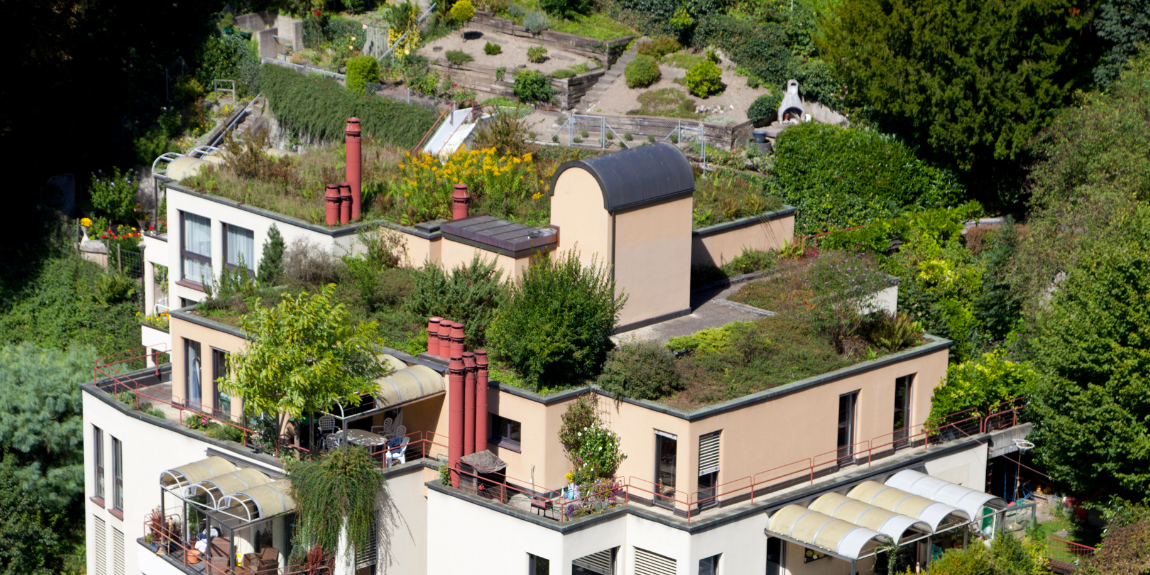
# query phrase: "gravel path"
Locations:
[[619, 99]]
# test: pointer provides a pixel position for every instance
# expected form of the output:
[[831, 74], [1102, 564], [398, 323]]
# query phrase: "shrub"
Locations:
[[462, 11], [598, 456], [506, 132], [569, 9], [579, 415], [532, 86], [892, 333], [360, 71], [563, 73], [642, 72], [500, 72], [536, 22], [845, 177], [583, 133], [468, 294], [659, 46], [229, 57], [577, 140], [225, 432], [536, 54], [640, 370], [556, 327], [704, 79], [627, 136], [492, 49], [763, 50], [765, 107], [458, 57], [515, 10], [114, 195], [318, 108], [270, 266]]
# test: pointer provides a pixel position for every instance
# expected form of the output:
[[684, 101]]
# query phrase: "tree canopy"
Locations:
[[971, 82], [304, 355]]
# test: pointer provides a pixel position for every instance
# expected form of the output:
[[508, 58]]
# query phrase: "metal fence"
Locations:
[[115, 259], [604, 132]]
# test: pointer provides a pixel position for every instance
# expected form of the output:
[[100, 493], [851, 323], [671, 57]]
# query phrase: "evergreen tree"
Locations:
[[271, 262]]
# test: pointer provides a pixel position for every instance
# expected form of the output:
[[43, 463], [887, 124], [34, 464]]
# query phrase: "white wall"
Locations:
[[403, 525], [966, 468]]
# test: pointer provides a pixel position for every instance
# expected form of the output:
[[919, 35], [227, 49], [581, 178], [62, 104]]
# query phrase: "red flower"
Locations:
[[357, 51], [150, 228], [316, 12]]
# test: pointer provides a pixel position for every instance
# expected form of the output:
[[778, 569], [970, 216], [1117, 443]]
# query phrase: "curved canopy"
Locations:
[[407, 385], [842, 538], [889, 523], [217, 487], [929, 512], [191, 473], [636, 176], [395, 363], [259, 502], [964, 498]]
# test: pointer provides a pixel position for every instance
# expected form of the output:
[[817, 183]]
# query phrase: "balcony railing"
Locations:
[[171, 542]]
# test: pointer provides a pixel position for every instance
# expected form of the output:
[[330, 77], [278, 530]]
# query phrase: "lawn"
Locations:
[[666, 103]]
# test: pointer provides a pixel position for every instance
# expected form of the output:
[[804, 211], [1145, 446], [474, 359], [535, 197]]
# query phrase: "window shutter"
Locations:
[[596, 562], [368, 557], [709, 453], [648, 563], [101, 547], [117, 552]]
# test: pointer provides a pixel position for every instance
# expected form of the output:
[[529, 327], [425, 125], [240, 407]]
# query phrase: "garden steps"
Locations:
[[609, 77]]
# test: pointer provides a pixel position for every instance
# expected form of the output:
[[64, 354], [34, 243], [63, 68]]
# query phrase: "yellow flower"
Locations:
[[86, 222]]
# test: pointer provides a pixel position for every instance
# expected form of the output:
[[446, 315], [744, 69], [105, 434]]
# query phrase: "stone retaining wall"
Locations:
[[606, 52], [481, 78]]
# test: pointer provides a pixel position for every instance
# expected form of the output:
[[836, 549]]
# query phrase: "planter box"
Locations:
[[568, 91], [606, 51]]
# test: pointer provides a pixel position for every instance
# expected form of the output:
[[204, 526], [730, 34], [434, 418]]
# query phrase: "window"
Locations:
[[505, 432], [117, 552], [117, 474], [601, 563], [221, 402], [239, 247], [846, 425], [98, 455], [774, 556], [902, 389], [648, 563], [666, 445], [709, 566], [708, 468], [196, 248], [192, 374], [538, 565]]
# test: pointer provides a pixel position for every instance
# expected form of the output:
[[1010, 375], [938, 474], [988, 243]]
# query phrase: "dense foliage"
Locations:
[[468, 294], [42, 444], [318, 108], [533, 86], [1126, 25], [761, 49], [642, 72], [337, 493], [972, 82], [765, 108], [230, 57], [984, 384], [1125, 548], [271, 260], [569, 9], [843, 177], [1092, 351], [114, 195], [555, 329], [704, 79], [1007, 554], [640, 370], [360, 71]]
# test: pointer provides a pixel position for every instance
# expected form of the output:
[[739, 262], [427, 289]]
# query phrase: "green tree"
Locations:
[[469, 294], [556, 327], [1126, 24], [1092, 352], [229, 57], [272, 260], [1125, 548], [972, 82], [981, 384], [360, 71], [304, 355], [336, 493]]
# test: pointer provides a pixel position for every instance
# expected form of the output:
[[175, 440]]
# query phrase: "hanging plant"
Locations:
[[341, 488]]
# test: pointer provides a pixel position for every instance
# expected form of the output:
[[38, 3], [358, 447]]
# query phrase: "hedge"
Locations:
[[762, 50], [844, 177], [319, 107]]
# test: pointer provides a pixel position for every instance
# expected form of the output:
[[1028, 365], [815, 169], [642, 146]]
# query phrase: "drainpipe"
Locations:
[[354, 164], [345, 203], [459, 200], [433, 336], [481, 401], [456, 339], [445, 339], [333, 202], [468, 403], [455, 422]]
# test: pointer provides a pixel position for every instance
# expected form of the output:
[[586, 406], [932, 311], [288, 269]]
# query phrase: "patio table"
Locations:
[[365, 438]]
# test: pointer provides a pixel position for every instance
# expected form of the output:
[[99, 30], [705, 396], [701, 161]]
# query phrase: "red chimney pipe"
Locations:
[[333, 202], [456, 339], [468, 403], [345, 203], [455, 421], [354, 164], [445, 339], [433, 336], [459, 200], [481, 401]]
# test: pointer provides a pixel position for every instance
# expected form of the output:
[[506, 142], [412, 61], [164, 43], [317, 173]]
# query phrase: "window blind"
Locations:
[[117, 552], [709, 453], [596, 562], [648, 563], [101, 546]]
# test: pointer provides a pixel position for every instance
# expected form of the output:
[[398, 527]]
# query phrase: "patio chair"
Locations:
[[400, 431], [397, 454], [384, 429], [332, 441]]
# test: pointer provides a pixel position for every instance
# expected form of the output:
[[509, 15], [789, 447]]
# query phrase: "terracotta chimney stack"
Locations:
[[459, 200], [456, 339], [345, 203], [468, 403], [433, 336], [455, 410], [445, 339], [481, 400], [332, 201], [354, 164]]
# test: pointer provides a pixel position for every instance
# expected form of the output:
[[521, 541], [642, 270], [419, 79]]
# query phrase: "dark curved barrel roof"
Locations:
[[637, 176]]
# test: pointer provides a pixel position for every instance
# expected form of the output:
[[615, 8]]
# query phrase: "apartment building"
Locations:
[[816, 476]]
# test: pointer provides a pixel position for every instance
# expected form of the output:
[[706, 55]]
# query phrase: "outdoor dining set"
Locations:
[[391, 436]]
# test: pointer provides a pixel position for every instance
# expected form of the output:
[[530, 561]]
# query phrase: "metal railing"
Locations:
[[175, 544], [1066, 552]]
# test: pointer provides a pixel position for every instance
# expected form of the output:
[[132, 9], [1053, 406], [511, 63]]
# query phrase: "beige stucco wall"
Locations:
[[403, 523], [755, 438], [577, 210], [720, 248], [184, 330], [454, 254], [652, 246], [417, 251]]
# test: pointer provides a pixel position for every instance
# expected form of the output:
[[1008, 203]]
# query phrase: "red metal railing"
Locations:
[[1066, 552], [170, 542]]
